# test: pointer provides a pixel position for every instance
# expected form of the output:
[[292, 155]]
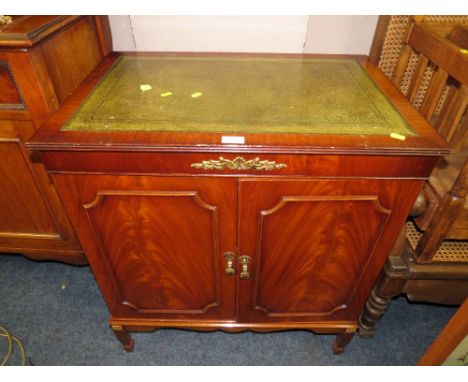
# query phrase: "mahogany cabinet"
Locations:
[[237, 192], [42, 61]]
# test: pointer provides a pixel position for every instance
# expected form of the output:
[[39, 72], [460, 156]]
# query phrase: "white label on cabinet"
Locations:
[[232, 140]]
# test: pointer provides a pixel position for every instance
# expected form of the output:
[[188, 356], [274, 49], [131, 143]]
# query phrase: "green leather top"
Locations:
[[238, 95]]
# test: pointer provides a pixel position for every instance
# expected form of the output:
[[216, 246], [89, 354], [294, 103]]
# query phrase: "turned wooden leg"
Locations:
[[372, 313], [378, 302], [390, 284], [124, 337], [342, 340]]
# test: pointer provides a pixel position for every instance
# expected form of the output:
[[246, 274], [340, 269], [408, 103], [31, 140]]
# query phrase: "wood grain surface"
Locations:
[[157, 244], [10, 97], [316, 245], [43, 59]]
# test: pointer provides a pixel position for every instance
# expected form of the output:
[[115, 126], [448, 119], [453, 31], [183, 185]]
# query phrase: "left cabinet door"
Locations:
[[156, 244]]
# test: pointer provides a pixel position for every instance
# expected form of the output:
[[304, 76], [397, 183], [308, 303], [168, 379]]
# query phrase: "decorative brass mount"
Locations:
[[239, 163]]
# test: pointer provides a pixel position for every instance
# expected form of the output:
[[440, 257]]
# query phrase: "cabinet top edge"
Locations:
[[233, 149], [425, 141]]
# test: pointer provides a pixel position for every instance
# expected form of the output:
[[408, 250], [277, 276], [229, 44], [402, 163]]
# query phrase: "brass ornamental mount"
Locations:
[[239, 163]]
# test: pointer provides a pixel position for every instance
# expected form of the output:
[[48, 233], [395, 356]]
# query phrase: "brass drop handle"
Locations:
[[229, 257], [244, 262]]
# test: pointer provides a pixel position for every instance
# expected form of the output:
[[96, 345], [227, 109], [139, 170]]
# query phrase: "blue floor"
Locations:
[[60, 316]]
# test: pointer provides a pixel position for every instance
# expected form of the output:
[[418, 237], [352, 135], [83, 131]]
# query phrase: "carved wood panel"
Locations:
[[161, 247], [311, 251]]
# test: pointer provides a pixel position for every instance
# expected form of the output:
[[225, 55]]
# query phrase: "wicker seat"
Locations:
[[430, 260]]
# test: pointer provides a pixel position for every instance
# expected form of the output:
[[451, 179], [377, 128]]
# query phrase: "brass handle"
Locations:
[[239, 163], [229, 257], [244, 262]]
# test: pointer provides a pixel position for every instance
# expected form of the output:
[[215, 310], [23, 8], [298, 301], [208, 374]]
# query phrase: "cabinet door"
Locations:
[[156, 244], [316, 246]]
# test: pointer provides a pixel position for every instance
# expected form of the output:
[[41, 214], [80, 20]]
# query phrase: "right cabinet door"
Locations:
[[315, 245]]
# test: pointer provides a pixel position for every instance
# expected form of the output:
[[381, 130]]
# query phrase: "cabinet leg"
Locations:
[[342, 340], [124, 337]]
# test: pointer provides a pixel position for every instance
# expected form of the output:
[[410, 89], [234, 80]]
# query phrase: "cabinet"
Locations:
[[287, 230], [42, 61]]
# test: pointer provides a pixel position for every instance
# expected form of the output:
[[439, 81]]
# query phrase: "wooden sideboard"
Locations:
[[237, 192], [43, 59]]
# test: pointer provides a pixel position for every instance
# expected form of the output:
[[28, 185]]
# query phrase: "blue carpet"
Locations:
[[60, 316]]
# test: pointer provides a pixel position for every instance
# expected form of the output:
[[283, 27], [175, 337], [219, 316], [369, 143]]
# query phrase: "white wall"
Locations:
[[122, 34], [340, 34], [220, 33], [288, 34]]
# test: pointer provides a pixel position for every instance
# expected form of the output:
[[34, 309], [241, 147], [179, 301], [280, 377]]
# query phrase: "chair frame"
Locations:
[[414, 271]]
